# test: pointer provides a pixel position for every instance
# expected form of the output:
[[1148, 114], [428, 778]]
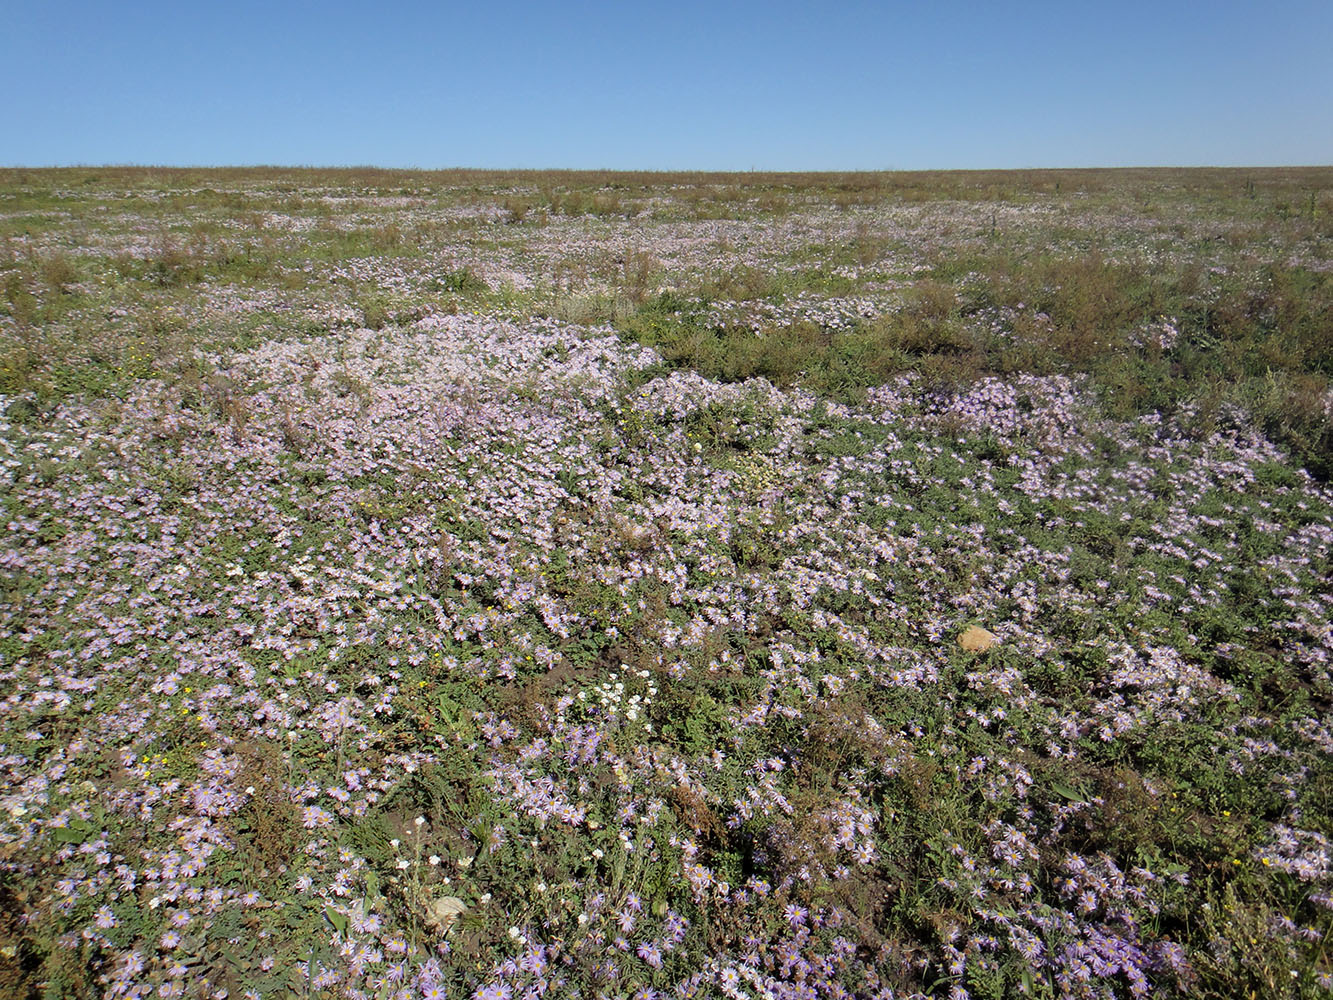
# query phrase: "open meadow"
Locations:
[[666, 586]]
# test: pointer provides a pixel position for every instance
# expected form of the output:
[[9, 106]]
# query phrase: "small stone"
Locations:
[[443, 911], [976, 639]]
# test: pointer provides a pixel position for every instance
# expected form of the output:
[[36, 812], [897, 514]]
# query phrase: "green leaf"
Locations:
[[338, 920], [1072, 794]]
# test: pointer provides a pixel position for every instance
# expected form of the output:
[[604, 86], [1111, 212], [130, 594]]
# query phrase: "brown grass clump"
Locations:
[[267, 829]]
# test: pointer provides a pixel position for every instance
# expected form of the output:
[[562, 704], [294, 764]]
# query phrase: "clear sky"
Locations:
[[775, 85]]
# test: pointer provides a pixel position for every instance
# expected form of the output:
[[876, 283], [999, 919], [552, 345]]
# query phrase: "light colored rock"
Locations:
[[443, 912], [976, 639]]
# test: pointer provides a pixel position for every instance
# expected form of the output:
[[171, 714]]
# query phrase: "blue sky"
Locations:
[[730, 86]]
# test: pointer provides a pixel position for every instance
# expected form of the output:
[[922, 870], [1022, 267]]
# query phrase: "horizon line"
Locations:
[[456, 168]]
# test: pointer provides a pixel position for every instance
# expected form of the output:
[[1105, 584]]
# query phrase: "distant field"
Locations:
[[507, 585]]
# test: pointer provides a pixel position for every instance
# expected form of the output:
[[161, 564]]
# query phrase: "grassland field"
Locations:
[[666, 586]]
